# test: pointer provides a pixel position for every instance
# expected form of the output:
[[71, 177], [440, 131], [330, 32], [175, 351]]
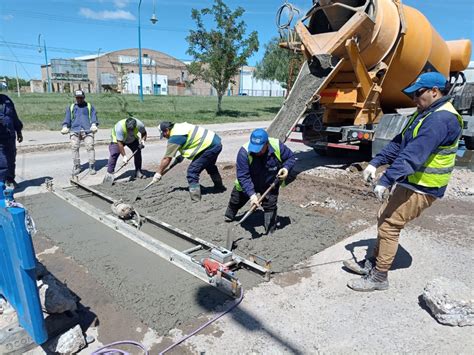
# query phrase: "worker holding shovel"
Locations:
[[128, 132], [201, 146], [259, 163]]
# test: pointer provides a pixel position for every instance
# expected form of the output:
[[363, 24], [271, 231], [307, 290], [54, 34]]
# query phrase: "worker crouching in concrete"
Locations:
[[421, 160], [201, 146], [10, 132], [129, 133], [82, 123], [259, 163]]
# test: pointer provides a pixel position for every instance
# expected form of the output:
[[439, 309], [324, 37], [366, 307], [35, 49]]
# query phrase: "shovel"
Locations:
[[109, 178], [230, 237], [137, 195]]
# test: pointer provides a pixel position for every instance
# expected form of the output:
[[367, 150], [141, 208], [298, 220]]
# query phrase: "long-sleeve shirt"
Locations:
[[81, 120], [10, 124], [259, 175], [406, 155]]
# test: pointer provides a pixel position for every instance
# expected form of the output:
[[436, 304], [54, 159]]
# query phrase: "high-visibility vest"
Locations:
[[198, 139], [124, 129], [71, 108], [436, 170], [275, 144]]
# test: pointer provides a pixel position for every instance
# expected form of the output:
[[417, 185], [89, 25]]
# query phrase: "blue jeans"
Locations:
[[206, 160]]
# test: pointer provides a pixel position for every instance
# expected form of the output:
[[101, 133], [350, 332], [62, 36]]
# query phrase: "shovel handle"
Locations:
[[254, 207]]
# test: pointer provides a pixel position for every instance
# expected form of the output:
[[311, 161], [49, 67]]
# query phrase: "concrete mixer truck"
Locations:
[[359, 56]]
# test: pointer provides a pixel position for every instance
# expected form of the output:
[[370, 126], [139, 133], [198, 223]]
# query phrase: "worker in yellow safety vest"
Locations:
[[421, 159], [200, 145]]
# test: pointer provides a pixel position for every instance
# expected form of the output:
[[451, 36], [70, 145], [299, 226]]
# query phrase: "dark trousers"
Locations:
[[7, 159], [238, 199], [115, 153], [206, 160]]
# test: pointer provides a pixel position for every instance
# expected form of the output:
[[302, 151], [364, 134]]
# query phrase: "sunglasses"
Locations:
[[420, 92]]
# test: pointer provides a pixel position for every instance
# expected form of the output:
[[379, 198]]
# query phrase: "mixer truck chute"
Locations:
[[360, 55]]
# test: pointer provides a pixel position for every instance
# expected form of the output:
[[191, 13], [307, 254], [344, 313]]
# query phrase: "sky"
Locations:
[[77, 28]]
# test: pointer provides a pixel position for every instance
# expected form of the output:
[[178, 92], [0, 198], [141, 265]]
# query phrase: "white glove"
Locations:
[[125, 159], [254, 200], [65, 130], [157, 177], [282, 174], [94, 128], [379, 191], [369, 173]]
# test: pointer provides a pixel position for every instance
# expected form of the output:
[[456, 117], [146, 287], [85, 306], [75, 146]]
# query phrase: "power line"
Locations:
[[18, 61], [52, 49]]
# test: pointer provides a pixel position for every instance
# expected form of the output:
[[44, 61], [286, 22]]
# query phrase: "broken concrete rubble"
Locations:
[[54, 296], [70, 342]]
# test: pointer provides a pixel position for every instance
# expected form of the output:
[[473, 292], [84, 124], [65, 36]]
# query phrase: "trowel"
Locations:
[[229, 244], [176, 161]]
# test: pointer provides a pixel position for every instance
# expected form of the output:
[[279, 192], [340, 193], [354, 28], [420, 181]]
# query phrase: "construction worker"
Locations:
[[259, 163], [421, 160], [10, 132], [82, 123], [128, 132], [201, 146]]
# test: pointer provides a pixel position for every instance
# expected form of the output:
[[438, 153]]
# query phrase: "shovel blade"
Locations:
[[108, 180], [229, 243]]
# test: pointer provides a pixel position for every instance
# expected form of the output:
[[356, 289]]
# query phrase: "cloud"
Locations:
[[7, 17], [106, 15], [121, 3]]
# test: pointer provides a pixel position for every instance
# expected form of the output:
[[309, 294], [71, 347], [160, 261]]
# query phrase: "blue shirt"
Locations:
[[81, 118], [258, 176], [9, 121], [406, 155]]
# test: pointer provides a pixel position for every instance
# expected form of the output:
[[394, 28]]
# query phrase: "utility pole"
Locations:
[[97, 79], [17, 81], [45, 59]]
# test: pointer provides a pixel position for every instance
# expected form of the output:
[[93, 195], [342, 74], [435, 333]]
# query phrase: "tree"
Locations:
[[219, 52], [278, 63], [11, 82]]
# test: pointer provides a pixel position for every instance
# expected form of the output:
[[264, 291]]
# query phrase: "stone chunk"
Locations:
[[70, 342], [450, 301], [54, 296]]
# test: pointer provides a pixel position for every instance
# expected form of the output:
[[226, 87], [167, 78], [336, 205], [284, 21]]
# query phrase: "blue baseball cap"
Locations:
[[258, 138], [427, 80]]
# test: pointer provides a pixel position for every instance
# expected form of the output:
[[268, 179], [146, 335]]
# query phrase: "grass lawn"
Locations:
[[46, 111]]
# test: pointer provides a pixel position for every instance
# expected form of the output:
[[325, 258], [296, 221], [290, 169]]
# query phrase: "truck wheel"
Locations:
[[469, 142]]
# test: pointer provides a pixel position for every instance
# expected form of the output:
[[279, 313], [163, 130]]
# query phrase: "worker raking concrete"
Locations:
[[10, 132], [259, 163], [421, 160], [200, 145], [131, 133], [82, 123]]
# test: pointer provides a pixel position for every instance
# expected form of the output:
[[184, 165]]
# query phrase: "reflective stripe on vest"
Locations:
[[275, 144], [198, 139], [436, 170], [124, 129], [89, 108]]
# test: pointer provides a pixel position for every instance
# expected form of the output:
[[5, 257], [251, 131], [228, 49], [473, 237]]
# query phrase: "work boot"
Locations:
[[269, 221], [217, 180], [139, 174], [92, 170], [229, 215], [374, 280], [195, 192], [76, 169], [11, 184], [362, 267]]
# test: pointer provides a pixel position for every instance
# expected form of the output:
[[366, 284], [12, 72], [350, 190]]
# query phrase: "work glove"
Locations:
[[369, 173], [157, 177], [65, 130], [142, 144], [254, 201], [94, 128], [282, 174], [379, 191], [125, 159], [19, 137]]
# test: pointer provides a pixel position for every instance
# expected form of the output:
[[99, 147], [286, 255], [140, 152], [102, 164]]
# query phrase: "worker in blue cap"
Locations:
[[259, 163], [421, 159]]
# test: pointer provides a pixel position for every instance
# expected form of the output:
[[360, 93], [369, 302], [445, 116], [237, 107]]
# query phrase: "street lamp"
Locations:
[[45, 59], [97, 81], [153, 21]]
